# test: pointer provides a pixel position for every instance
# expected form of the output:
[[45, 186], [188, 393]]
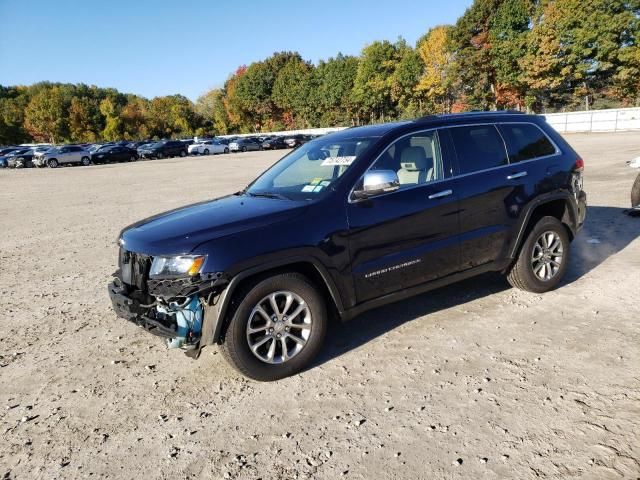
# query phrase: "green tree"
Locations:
[[113, 122], [13, 101], [45, 115], [331, 92], [81, 127], [404, 82], [291, 91], [372, 85]]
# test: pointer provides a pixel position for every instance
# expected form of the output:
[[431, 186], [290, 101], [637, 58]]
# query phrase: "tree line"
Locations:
[[530, 55]]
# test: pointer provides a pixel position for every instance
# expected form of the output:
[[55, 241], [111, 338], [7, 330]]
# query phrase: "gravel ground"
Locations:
[[472, 380]]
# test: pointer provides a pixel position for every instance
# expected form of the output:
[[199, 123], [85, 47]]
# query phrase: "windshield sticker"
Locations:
[[315, 181], [308, 188], [325, 183], [317, 189], [338, 161]]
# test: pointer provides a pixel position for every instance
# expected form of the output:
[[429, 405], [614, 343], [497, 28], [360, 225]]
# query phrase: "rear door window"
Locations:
[[478, 147], [526, 141]]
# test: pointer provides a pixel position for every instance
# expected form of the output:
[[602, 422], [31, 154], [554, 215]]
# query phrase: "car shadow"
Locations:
[[606, 232]]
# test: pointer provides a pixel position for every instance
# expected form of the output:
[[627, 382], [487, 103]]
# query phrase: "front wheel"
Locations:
[[543, 258], [160, 156], [86, 161], [277, 327], [226, 150], [206, 151], [635, 193], [53, 163], [183, 153]]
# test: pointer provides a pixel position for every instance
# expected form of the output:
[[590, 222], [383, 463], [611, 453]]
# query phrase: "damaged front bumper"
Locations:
[[132, 309], [180, 310]]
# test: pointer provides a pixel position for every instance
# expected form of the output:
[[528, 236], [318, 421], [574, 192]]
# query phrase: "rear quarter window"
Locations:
[[526, 141]]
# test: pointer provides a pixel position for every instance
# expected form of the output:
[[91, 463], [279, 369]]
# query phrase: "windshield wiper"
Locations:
[[268, 195]]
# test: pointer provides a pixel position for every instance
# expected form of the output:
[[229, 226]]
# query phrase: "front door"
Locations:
[[407, 237]]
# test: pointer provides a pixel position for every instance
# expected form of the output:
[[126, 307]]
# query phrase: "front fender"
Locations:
[[215, 314]]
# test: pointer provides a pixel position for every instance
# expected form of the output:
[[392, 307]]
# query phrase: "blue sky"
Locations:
[[160, 47]]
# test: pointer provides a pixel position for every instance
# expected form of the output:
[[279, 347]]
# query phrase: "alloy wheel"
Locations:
[[279, 327], [547, 255]]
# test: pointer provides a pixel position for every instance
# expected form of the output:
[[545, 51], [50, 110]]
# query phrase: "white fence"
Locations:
[[612, 120]]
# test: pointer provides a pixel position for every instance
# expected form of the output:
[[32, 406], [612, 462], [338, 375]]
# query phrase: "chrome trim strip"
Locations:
[[557, 152]]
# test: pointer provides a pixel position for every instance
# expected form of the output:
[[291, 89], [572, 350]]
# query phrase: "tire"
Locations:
[[52, 162], [206, 151], [244, 149], [86, 161], [183, 153], [235, 346], [132, 158], [522, 274], [160, 156], [635, 192], [226, 150]]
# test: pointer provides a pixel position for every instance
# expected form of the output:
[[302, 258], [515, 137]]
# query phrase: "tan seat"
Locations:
[[416, 168]]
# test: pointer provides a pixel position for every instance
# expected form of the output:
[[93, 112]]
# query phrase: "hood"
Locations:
[[181, 230]]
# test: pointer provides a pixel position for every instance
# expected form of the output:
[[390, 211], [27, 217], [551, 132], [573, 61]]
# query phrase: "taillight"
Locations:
[[579, 164]]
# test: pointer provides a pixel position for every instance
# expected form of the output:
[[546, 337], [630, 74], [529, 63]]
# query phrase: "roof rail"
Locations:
[[470, 113]]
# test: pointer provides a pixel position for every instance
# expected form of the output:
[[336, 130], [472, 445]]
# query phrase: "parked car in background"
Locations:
[[206, 147], [20, 158], [7, 150], [61, 155], [162, 149], [295, 141], [114, 153], [245, 144], [274, 143], [138, 144]]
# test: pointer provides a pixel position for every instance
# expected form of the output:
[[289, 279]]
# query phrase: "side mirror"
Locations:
[[376, 182]]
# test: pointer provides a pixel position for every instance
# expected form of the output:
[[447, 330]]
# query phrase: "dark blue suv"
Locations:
[[348, 222]]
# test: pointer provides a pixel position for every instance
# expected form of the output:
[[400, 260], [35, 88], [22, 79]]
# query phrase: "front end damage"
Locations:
[[181, 310]]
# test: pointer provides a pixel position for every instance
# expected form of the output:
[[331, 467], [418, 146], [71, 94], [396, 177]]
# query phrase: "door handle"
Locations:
[[513, 176], [444, 193]]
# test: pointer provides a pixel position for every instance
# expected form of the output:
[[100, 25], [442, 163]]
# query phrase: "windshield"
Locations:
[[156, 145], [310, 170]]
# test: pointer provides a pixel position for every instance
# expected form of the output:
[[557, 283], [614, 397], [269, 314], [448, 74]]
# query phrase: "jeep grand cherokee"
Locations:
[[348, 222]]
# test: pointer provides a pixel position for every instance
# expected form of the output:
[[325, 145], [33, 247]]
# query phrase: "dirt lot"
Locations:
[[473, 380]]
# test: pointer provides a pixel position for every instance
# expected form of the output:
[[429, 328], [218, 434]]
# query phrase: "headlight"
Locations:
[[174, 266]]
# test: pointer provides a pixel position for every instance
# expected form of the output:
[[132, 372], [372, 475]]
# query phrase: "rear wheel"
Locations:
[[543, 258], [132, 158], [206, 151], [86, 161], [226, 150], [183, 153], [277, 327], [52, 162], [160, 156], [635, 192], [244, 149]]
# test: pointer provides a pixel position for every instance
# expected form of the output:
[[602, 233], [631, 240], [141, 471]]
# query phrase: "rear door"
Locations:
[[66, 155], [490, 193], [407, 237]]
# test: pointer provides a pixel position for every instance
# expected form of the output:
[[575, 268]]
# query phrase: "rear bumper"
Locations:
[[582, 209]]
